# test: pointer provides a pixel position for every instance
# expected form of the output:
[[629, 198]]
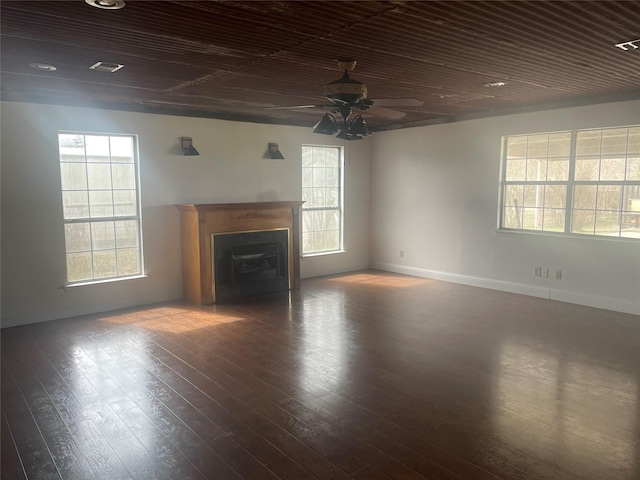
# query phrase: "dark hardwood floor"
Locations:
[[367, 376]]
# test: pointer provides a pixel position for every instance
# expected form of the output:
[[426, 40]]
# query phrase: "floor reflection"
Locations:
[[562, 407]]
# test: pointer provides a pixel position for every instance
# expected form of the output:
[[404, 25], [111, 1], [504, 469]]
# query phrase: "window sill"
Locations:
[[561, 235], [98, 282], [320, 254]]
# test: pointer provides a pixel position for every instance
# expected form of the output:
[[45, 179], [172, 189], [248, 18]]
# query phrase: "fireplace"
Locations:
[[250, 263], [237, 250]]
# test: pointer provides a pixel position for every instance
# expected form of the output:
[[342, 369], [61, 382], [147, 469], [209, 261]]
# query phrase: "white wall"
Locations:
[[231, 168], [435, 193]]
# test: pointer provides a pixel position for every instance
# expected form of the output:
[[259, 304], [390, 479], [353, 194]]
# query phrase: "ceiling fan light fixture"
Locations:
[[358, 127], [326, 125]]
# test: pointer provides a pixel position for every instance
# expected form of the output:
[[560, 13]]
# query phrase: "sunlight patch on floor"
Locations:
[[383, 280]]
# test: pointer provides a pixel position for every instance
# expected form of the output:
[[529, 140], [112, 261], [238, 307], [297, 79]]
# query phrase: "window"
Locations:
[[101, 206], [584, 182], [322, 194]]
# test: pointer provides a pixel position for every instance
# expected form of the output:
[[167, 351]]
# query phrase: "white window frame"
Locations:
[[628, 186], [94, 221], [309, 208]]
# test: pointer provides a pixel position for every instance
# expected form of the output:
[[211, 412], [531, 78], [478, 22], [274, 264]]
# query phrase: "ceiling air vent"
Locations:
[[106, 67]]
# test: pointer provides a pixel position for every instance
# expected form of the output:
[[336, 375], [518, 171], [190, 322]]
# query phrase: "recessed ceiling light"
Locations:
[[494, 84], [43, 66], [107, 4]]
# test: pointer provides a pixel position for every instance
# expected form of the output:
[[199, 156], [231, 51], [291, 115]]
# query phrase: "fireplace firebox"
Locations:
[[250, 263], [233, 250]]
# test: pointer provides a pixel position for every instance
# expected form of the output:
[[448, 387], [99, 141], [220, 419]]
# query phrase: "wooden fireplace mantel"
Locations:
[[201, 221]]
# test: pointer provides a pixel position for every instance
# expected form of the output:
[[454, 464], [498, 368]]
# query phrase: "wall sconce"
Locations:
[[274, 153], [187, 147]]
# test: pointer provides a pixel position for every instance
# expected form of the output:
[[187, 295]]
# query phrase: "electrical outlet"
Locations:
[[545, 272], [537, 272], [401, 253], [558, 274]]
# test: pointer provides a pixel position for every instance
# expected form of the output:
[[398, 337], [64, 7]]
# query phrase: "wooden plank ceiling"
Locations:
[[236, 59]]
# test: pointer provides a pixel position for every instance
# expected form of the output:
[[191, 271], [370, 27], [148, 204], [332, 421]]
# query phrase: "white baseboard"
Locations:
[[512, 287]]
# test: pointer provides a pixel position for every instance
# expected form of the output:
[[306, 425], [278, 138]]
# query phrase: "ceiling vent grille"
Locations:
[[106, 67]]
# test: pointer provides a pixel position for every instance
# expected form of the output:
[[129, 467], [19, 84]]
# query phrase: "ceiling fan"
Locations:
[[346, 96]]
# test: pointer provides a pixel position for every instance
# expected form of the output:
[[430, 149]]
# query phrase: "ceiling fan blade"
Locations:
[[398, 102], [386, 112]]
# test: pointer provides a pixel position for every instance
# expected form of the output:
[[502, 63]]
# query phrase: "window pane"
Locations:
[[75, 204], [124, 203], [607, 223], [333, 240], [319, 241], [77, 237], [104, 264], [560, 144], [307, 197], [97, 148], [584, 196], [126, 233], [614, 141], [319, 197], [554, 220], [332, 197], [583, 221], [513, 195], [71, 148], [538, 147], [558, 169], [555, 196], [333, 158], [609, 197], [517, 147], [536, 169], [587, 169], [128, 261], [516, 170], [121, 149], [533, 195], [103, 235], [318, 177], [101, 203], [612, 169], [73, 176], [333, 220], [633, 168], [99, 176], [123, 176], [319, 157], [633, 145], [588, 143], [307, 177], [532, 219], [319, 220], [511, 217], [307, 157], [332, 177], [79, 267]]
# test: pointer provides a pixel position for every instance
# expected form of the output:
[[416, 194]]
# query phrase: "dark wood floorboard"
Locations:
[[364, 376]]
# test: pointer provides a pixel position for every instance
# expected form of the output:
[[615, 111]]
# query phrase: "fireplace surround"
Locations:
[[236, 250]]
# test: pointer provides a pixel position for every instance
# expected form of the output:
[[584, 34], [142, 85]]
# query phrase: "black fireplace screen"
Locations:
[[250, 263]]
